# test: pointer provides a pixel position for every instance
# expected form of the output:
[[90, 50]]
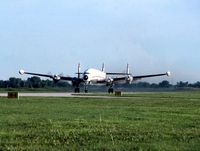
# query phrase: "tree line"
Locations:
[[32, 82], [37, 82]]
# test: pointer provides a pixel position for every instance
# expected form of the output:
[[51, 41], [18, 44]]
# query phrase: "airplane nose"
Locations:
[[85, 77]]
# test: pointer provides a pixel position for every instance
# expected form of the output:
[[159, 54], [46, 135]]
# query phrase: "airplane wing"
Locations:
[[111, 80], [116, 73], [134, 78], [54, 77], [151, 75], [128, 77]]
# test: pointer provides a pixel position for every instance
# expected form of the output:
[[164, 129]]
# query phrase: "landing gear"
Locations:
[[110, 90], [77, 90], [86, 88]]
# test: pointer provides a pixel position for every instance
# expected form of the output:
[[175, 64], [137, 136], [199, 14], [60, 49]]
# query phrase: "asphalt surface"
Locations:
[[42, 94], [56, 94]]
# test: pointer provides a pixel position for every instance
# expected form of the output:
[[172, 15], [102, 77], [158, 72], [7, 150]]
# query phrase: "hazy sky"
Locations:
[[153, 36]]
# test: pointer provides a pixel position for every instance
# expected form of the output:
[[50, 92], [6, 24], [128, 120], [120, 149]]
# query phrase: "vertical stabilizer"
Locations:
[[103, 68], [127, 69], [79, 66]]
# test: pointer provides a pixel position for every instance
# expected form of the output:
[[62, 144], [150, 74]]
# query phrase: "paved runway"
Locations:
[[48, 94], [56, 94]]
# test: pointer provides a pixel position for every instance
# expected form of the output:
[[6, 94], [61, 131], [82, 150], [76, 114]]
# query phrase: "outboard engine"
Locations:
[[129, 79], [56, 78]]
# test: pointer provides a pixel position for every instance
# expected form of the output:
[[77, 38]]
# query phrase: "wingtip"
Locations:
[[168, 73], [21, 71]]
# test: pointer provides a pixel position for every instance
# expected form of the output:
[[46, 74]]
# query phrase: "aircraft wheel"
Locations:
[[77, 90], [110, 90], [86, 91]]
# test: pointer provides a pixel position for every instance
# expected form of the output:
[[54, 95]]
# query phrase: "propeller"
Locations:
[[85, 77]]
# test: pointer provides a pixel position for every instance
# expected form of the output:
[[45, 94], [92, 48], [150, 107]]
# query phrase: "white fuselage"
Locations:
[[94, 75]]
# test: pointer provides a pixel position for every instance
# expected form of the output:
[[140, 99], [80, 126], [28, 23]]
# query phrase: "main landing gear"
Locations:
[[110, 90], [86, 88], [77, 90]]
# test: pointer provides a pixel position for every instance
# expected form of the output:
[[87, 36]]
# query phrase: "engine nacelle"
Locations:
[[109, 81], [56, 77], [85, 77], [129, 79]]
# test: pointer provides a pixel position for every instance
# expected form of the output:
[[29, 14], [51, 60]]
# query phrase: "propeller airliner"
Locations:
[[95, 76]]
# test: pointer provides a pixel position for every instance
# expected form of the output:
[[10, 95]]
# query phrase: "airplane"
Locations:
[[95, 76]]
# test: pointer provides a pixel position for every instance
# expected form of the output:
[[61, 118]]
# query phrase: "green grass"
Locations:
[[142, 121]]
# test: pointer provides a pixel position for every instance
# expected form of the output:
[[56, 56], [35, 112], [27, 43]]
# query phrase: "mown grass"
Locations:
[[142, 121]]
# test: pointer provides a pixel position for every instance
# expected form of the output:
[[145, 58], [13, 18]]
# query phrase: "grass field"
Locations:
[[142, 121]]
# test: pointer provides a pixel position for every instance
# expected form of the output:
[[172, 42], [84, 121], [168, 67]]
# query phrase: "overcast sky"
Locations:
[[153, 36]]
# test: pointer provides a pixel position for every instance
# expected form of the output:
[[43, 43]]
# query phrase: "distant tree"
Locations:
[[62, 84], [1, 84], [14, 82], [22, 84], [49, 83], [143, 85], [182, 84], [164, 84], [34, 82], [28, 83], [154, 85], [43, 83], [196, 85]]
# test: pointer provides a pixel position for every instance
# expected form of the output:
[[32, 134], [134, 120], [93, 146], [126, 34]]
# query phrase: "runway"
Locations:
[[41, 94], [57, 94]]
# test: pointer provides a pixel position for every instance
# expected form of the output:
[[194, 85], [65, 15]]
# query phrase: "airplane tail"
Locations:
[[78, 69], [127, 72], [127, 69], [103, 68]]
